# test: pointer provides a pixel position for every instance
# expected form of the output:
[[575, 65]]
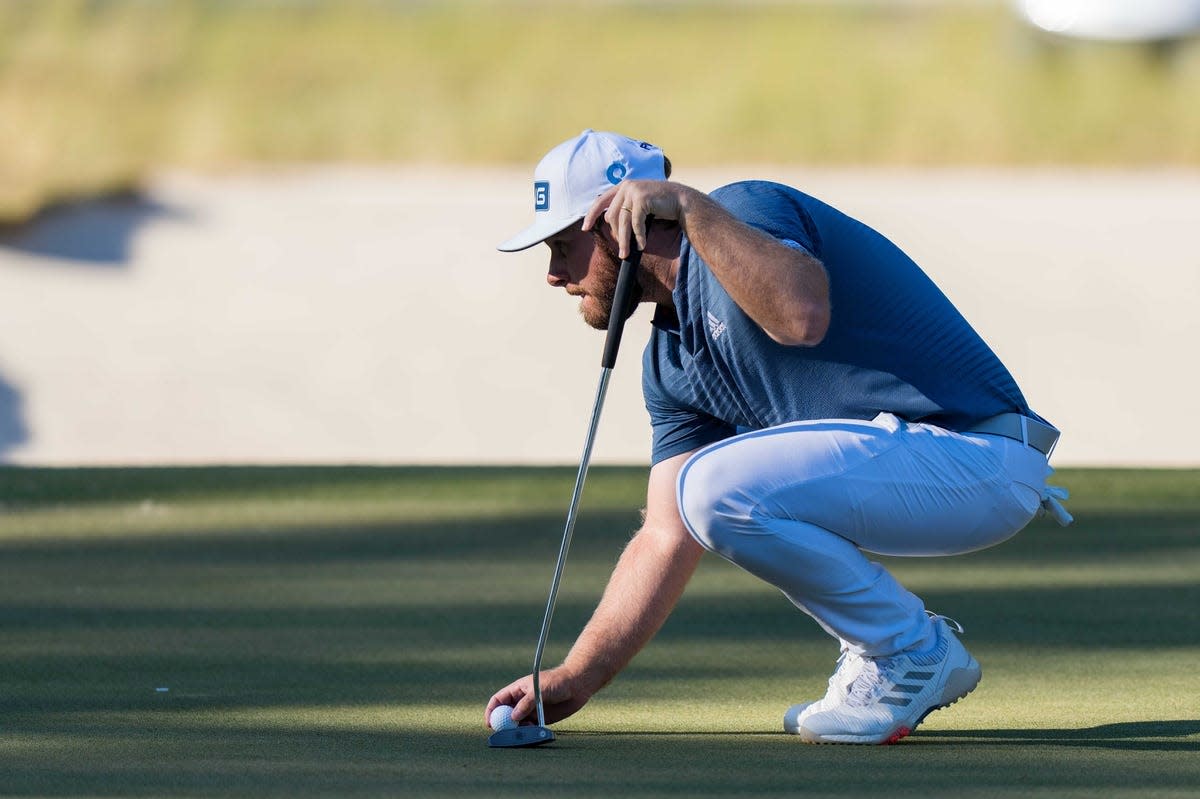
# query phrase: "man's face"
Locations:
[[585, 266]]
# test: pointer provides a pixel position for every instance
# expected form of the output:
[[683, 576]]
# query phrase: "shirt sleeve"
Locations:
[[677, 431], [675, 427], [773, 209]]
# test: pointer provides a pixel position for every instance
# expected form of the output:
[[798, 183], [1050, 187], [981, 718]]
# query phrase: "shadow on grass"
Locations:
[[254, 582], [34, 487], [1102, 536], [1134, 735], [72, 657], [1108, 533], [529, 537], [143, 757]]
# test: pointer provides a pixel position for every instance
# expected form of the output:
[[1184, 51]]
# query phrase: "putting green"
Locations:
[[297, 632]]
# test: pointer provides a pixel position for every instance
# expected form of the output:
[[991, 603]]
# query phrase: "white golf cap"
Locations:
[[572, 175]]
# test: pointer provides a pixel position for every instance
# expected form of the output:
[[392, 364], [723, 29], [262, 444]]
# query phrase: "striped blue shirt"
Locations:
[[895, 342]]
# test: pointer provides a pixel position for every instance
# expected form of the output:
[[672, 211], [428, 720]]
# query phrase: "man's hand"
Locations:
[[784, 290], [645, 585], [626, 206], [562, 695]]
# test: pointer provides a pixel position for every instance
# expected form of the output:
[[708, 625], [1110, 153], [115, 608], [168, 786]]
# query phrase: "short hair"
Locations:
[[666, 166]]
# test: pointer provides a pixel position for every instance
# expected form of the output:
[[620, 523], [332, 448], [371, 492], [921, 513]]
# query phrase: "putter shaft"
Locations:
[[569, 530], [624, 302]]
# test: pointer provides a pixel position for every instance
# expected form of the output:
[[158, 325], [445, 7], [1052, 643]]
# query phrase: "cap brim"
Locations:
[[536, 233]]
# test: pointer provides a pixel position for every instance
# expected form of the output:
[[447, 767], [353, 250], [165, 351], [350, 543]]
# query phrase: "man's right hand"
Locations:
[[645, 585], [562, 695]]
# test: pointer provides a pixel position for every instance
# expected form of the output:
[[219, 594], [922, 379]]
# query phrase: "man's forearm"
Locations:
[[645, 585], [784, 290]]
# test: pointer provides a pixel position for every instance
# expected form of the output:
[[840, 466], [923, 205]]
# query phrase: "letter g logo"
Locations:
[[615, 172]]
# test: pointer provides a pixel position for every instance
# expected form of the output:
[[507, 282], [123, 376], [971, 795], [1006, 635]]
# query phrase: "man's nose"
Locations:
[[556, 276]]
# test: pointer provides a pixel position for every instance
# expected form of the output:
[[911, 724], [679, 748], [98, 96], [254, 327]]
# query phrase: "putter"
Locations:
[[535, 735]]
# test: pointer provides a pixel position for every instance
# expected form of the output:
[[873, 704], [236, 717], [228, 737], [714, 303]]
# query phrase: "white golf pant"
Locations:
[[796, 505]]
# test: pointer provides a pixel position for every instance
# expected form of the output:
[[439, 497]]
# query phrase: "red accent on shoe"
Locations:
[[897, 735]]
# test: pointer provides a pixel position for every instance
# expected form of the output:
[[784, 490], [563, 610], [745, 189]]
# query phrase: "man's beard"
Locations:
[[598, 313]]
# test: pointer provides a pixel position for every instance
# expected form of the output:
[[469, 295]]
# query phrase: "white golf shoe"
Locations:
[[890, 696], [849, 665]]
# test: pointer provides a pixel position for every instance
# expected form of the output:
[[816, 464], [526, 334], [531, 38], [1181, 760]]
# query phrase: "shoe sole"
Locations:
[[960, 683]]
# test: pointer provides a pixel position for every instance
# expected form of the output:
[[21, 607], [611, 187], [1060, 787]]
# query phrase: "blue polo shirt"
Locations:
[[895, 342]]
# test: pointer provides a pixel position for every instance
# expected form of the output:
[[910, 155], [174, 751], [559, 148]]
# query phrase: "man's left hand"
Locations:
[[626, 206]]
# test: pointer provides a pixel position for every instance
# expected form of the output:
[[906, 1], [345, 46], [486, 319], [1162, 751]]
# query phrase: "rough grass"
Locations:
[[95, 94], [336, 632]]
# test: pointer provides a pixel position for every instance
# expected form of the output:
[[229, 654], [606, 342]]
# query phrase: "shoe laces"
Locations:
[[871, 681], [846, 660], [951, 623]]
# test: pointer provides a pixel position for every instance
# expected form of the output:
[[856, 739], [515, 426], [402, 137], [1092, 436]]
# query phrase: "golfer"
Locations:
[[813, 398]]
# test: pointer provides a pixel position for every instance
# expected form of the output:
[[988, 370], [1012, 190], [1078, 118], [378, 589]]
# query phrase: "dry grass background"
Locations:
[[94, 95]]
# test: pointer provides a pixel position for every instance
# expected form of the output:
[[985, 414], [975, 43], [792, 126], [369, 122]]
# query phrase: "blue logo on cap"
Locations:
[[541, 195], [616, 172]]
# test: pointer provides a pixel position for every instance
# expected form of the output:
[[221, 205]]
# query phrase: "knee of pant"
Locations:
[[714, 508]]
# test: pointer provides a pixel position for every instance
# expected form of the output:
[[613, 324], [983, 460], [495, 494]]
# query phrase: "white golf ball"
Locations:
[[501, 718]]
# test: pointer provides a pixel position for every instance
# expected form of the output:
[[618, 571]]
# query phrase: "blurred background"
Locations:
[[263, 231]]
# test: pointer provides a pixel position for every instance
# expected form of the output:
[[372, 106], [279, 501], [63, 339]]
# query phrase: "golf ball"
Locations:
[[502, 719]]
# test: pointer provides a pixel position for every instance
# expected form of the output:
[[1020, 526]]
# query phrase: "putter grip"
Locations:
[[622, 298]]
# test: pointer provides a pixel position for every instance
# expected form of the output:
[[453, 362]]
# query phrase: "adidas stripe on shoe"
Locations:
[[892, 695]]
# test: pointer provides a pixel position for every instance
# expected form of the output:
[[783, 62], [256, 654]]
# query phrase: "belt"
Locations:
[[1030, 432]]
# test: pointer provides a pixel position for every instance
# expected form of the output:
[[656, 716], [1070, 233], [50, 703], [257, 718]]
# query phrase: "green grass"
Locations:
[[93, 95], [336, 632]]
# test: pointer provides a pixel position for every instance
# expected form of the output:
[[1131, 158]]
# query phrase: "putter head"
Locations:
[[521, 736]]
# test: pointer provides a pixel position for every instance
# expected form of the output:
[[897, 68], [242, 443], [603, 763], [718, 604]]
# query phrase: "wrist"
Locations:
[[588, 678], [689, 201]]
